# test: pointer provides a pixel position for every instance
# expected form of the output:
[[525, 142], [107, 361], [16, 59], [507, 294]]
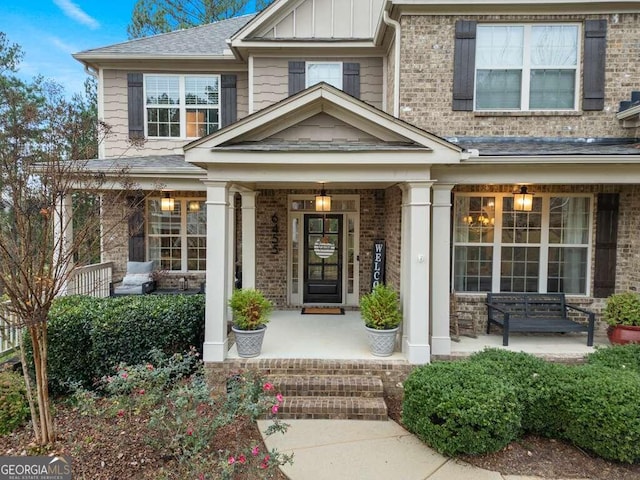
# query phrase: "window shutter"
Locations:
[[135, 107], [351, 79], [606, 243], [464, 65], [595, 44], [296, 77], [137, 250], [228, 100]]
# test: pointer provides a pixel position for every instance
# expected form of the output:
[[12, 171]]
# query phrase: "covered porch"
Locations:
[[292, 335]]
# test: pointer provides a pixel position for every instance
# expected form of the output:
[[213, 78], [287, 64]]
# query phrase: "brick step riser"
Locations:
[[326, 386], [337, 408]]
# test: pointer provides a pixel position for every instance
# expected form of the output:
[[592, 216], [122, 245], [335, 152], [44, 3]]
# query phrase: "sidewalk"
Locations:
[[356, 449]]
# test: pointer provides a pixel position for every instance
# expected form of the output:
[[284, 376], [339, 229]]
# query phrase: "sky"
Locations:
[[49, 31]]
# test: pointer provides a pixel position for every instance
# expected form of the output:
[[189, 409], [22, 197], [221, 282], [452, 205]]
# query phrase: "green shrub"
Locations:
[[14, 409], [88, 336], [622, 309], [460, 408], [619, 357], [539, 386], [603, 415], [251, 310], [380, 309]]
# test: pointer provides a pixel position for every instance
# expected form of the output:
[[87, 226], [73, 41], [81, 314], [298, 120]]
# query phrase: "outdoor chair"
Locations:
[[461, 321], [138, 280]]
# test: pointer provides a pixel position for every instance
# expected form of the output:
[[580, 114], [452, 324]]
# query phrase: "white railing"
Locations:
[[94, 280], [8, 330]]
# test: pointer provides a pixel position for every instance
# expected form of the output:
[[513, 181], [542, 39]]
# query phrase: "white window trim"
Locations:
[[184, 254], [544, 244], [307, 84], [526, 69], [182, 106]]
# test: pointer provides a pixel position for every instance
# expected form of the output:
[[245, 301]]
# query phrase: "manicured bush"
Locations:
[[619, 357], [603, 415], [14, 409], [88, 336], [460, 408], [539, 386]]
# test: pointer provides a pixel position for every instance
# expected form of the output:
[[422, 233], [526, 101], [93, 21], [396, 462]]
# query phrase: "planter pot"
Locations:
[[621, 334], [382, 342], [249, 342]]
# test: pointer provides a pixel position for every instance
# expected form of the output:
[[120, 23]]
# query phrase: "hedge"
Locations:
[[460, 408], [14, 409], [89, 336]]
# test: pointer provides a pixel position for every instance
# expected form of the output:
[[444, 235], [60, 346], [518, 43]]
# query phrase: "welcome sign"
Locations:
[[377, 267]]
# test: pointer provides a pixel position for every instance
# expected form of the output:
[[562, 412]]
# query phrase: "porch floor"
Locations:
[[293, 335]]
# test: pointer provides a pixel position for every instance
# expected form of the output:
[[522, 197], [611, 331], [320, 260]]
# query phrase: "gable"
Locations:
[[323, 127]]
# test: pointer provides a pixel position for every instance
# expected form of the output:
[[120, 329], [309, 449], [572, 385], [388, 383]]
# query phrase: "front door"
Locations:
[[322, 259]]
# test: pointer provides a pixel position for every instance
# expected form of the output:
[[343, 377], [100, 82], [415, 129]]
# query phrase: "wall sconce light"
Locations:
[[323, 202], [522, 200], [193, 206], [167, 203]]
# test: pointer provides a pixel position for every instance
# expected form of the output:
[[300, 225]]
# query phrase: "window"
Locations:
[[328, 72], [526, 67], [179, 106], [178, 238], [498, 249]]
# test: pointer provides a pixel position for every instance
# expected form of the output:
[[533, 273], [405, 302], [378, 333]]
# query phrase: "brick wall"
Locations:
[[393, 233], [427, 81]]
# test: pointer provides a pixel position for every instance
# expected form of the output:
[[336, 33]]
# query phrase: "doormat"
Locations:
[[322, 311]]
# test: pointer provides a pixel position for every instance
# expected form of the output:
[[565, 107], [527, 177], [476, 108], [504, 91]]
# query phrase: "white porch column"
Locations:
[[248, 239], [63, 238], [440, 269], [215, 329], [231, 261], [416, 207]]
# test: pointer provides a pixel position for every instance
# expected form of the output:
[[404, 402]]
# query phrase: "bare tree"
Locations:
[[151, 17], [42, 136]]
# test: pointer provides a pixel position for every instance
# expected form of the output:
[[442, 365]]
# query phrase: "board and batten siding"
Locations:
[[271, 78], [117, 143]]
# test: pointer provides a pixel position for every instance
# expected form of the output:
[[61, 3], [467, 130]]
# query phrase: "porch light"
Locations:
[[522, 200], [167, 203], [193, 206], [323, 202]]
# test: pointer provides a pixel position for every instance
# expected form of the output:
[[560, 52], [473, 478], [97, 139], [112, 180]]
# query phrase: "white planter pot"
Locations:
[[382, 342], [249, 342]]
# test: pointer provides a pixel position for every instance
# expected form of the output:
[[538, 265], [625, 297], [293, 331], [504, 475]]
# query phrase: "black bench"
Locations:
[[535, 313]]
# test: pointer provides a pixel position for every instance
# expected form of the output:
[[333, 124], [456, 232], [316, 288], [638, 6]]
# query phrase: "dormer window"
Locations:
[[329, 72], [181, 106]]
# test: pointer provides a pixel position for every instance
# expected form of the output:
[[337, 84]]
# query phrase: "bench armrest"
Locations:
[[148, 287], [491, 306], [579, 309]]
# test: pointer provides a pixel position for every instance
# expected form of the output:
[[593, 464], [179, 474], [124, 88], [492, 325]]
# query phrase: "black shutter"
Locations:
[[351, 79], [228, 100], [135, 107], [296, 77], [595, 44], [606, 242], [137, 250], [464, 65]]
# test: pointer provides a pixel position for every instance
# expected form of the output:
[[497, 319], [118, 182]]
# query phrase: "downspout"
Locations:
[[396, 67], [89, 70]]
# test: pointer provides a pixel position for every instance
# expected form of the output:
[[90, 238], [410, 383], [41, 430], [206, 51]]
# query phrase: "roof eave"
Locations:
[[132, 56], [552, 159]]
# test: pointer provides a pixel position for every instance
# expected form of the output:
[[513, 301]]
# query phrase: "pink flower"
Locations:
[[124, 375], [265, 462], [141, 391], [267, 386], [232, 460], [274, 409], [255, 451], [279, 397], [120, 413], [190, 432], [201, 476], [149, 367], [242, 459]]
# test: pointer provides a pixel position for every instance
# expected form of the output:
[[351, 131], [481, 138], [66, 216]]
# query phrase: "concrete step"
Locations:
[[328, 385], [336, 408]]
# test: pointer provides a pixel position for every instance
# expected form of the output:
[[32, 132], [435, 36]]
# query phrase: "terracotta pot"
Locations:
[[621, 334]]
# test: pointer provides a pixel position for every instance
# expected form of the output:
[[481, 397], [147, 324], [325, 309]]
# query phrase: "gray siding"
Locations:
[[271, 78]]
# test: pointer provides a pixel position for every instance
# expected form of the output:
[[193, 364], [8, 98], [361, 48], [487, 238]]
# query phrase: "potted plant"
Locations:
[[622, 313], [251, 312], [380, 311]]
